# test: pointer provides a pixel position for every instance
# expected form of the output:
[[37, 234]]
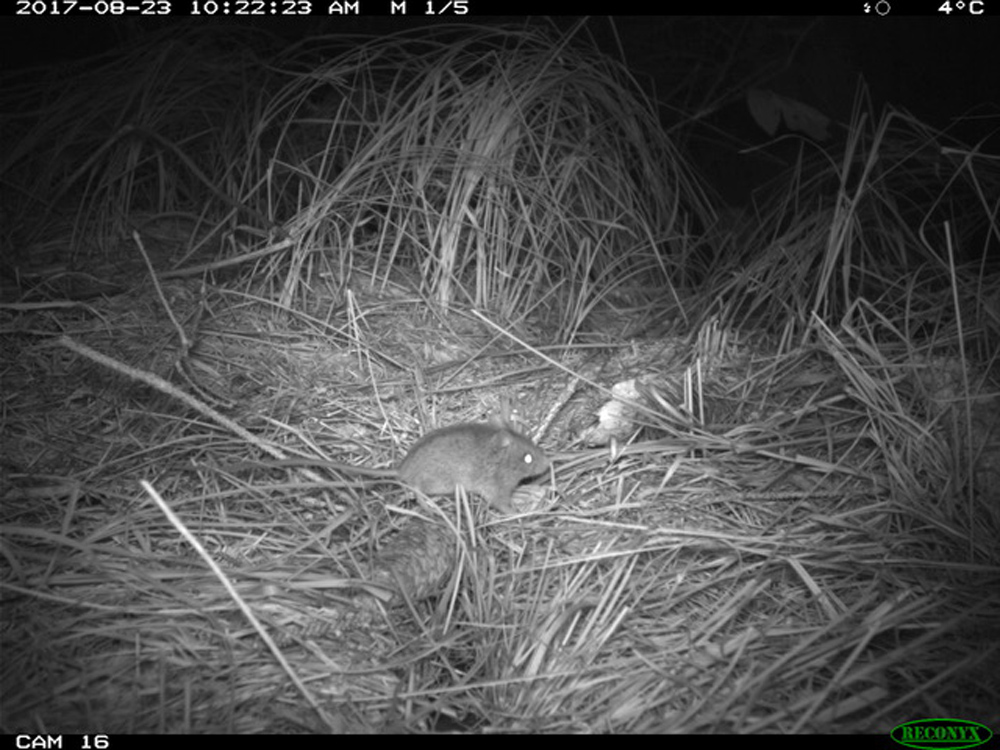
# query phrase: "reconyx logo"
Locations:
[[941, 734]]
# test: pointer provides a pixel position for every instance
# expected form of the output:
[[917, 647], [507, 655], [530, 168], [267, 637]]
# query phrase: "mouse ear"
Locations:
[[503, 439]]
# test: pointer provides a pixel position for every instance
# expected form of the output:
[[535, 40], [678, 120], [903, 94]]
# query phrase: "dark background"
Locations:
[[945, 70]]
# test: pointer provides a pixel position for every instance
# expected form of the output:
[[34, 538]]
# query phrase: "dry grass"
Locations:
[[785, 521]]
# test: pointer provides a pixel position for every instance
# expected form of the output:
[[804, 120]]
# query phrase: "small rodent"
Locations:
[[489, 460]]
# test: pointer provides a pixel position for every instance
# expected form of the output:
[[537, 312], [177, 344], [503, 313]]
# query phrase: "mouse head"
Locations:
[[521, 456]]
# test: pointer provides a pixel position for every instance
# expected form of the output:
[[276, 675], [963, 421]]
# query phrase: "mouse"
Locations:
[[489, 460]]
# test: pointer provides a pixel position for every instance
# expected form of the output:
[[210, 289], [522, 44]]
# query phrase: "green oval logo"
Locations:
[[947, 734]]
